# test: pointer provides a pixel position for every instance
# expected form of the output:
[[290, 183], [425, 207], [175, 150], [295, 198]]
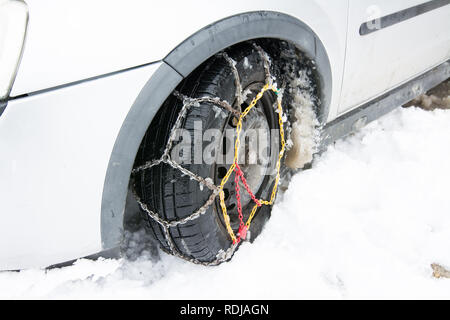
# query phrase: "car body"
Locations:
[[92, 75]]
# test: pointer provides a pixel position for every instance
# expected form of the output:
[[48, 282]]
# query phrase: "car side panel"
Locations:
[[55, 149], [388, 57], [72, 40]]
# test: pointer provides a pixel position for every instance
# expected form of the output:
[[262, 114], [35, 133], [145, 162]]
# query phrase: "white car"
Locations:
[[91, 90]]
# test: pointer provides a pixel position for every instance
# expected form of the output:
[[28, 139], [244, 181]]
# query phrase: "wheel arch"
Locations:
[[177, 65]]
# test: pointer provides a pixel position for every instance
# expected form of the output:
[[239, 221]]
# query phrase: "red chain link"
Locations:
[[239, 175]]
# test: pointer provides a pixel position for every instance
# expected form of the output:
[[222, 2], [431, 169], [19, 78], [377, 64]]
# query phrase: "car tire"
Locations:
[[172, 195]]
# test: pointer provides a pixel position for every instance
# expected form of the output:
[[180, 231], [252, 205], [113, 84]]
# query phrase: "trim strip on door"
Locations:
[[400, 16]]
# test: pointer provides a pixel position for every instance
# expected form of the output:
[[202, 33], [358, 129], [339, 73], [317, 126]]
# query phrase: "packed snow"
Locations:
[[303, 135], [366, 221]]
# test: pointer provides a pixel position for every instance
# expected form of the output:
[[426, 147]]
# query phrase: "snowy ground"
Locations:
[[366, 222]]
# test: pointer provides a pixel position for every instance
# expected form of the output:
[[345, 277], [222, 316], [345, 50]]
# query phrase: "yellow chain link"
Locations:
[[236, 155]]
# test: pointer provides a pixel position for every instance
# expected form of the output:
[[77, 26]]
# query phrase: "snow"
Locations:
[[247, 65], [303, 136], [366, 221], [302, 131]]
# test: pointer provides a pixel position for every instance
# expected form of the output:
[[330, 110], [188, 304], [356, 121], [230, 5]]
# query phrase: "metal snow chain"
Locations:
[[235, 167], [188, 102]]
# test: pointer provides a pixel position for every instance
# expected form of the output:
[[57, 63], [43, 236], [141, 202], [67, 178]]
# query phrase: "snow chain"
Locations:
[[188, 102]]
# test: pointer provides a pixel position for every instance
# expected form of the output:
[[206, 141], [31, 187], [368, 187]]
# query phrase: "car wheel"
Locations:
[[169, 192]]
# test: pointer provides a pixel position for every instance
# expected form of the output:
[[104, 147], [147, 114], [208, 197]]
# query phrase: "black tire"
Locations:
[[174, 196]]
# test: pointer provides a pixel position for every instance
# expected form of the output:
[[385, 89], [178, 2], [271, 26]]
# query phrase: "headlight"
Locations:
[[13, 25]]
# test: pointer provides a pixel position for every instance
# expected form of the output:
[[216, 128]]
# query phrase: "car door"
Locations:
[[390, 42]]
